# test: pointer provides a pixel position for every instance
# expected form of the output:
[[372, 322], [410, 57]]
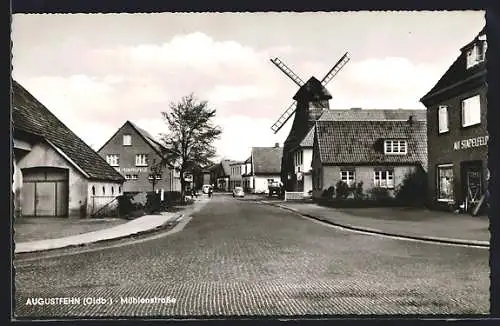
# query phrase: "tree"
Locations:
[[189, 141], [155, 170]]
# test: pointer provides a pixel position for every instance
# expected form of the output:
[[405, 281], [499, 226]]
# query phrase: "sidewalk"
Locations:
[[405, 222], [139, 225]]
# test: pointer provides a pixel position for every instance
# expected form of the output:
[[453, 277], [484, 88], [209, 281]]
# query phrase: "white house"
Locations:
[[56, 173], [262, 167]]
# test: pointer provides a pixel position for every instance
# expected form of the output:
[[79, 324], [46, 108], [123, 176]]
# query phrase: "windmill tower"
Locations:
[[311, 100]]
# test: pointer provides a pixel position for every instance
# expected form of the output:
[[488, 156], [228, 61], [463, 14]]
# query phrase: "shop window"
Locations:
[[471, 111], [443, 119], [384, 179], [445, 182], [347, 177]]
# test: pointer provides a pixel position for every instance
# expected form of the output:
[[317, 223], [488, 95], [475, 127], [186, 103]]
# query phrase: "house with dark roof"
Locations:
[[457, 131], [246, 175], [135, 153], [235, 174], [261, 168], [301, 178], [57, 173], [378, 153]]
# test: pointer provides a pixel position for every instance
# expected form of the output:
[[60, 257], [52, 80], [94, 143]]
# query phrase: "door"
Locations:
[[473, 183], [45, 192]]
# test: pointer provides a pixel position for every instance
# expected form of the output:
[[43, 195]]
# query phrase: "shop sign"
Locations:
[[132, 170], [470, 143]]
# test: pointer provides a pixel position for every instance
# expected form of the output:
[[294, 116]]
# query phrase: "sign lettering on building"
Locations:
[[470, 143], [132, 170]]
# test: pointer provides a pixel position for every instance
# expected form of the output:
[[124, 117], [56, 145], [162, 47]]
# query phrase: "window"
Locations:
[[135, 176], [127, 140], [103, 190], [298, 158], [128, 176], [443, 119], [119, 190], [445, 182], [150, 177], [384, 179], [112, 190], [113, 159], [141, 160], [471, 111], [477, 53], [347, 177], [93, 191], [395, 147]]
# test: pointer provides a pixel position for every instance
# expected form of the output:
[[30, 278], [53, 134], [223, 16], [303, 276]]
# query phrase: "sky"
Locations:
[[96, 71]]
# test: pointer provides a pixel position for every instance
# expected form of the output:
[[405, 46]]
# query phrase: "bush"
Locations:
[[413, 189], [379, 193], [125, 205], [358, 191], [328, 193], [342, 190], [153, 202], [172, 197]]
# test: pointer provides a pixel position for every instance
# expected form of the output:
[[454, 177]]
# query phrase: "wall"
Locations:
[[261, 184], [100, 199], [206, 178], [331, 175], [440, 147], [127, 162], [41, 155]]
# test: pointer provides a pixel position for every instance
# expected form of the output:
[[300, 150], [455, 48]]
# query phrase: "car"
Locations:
[[238, 192], [205, 188]]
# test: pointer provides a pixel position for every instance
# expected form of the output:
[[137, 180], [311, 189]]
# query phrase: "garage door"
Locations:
[[44, 192]]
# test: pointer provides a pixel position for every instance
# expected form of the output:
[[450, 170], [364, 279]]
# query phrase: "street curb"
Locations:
[[477, 243], [175, 219]]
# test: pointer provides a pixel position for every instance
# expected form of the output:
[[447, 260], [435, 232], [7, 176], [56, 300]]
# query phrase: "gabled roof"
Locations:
[[361, 142], [152, 141], [372, 114], [308, 140], [267, 160], [458, 71], [225, 163], [32, 117]]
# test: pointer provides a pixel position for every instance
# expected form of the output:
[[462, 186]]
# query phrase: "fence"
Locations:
[[292, 195], [103, 206]]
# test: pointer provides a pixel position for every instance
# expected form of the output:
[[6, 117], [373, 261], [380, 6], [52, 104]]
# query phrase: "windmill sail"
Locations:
[[284, 117], [339, 65], [287, 71]]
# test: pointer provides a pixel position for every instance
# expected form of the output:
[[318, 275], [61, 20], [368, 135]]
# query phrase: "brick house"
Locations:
[[378, 153], [263, 166], [457, 130], [133, 152], [57, 173]]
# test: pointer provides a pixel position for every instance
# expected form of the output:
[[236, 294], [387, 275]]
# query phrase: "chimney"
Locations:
[[410, 120], [276, 145], [356, 109]]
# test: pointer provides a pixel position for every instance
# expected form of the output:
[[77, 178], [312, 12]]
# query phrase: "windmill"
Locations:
[[309, 102]]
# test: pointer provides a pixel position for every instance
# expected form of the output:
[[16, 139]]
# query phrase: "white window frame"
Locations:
[[477, 53], [348, 176], [158, 177], [380, 182], [395, 147], [113, 159], [438, 183], [135, 177], [443, 119], [127, 140], [141, 159], [467, 115]]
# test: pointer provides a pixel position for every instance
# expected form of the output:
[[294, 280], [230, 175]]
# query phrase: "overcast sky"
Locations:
[[96, 71]]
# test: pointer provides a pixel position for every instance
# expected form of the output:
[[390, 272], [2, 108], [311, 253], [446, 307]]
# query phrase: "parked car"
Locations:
[[238, 192], [205, 189]]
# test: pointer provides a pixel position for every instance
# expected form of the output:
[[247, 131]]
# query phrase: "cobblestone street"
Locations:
[[242, 258]]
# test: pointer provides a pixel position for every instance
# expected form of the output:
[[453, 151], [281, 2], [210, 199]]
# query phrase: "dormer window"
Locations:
[[477, 53], [393, 147]]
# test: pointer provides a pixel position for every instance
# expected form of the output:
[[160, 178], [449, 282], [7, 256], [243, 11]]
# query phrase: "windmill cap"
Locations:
[[312, 90]]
